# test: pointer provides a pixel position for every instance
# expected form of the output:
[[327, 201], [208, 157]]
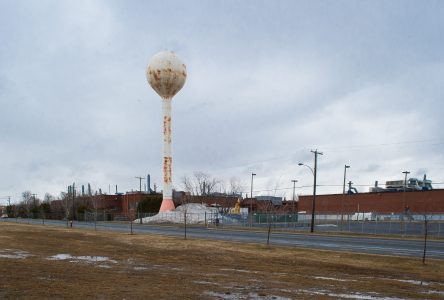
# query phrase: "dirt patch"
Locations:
[[47, 262]]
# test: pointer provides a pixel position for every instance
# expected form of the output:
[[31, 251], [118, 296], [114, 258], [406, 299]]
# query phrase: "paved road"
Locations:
[[373, 245]]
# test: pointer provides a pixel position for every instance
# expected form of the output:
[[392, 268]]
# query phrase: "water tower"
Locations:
[[166, 74]]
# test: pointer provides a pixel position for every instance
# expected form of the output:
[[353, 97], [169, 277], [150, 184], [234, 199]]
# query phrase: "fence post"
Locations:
[[349, 225], [439, 228], [131, 225], [376, 224], [390, 225], [337, 223], [425, 240]]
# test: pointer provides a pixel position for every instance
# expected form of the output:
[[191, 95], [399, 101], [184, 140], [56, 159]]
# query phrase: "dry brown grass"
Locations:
[[155, 267]]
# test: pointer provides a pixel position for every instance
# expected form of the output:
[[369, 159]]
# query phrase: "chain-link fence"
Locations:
[[356, 223], [378, 223]]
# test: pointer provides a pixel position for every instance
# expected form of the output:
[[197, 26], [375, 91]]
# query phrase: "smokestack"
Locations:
[[116, 190], [148, 183], [166, 74]]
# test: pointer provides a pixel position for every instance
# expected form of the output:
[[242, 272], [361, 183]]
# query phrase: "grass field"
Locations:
[[47, 262]]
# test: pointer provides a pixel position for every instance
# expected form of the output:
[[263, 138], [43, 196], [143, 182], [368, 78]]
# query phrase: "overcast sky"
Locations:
[[268, 81]]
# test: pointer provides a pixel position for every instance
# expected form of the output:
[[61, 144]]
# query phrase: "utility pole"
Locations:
[[405, 188], [316, 153], [66, 206], [404, 200], [405, 179], [343, 195], [34, 205], [140, 183], [294, 187], [73, 188], [251, 199]]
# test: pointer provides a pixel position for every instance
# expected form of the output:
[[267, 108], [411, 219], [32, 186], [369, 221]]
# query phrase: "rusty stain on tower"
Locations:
[[166, 74]]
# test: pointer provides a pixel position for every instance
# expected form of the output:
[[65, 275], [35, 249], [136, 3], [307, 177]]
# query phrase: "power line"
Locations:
[[435, 141], [336, 149]]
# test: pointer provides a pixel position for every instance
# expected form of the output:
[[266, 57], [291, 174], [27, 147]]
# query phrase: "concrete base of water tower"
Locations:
[[167, 205]]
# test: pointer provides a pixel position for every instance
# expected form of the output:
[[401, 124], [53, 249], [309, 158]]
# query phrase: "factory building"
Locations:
[[417, 202]]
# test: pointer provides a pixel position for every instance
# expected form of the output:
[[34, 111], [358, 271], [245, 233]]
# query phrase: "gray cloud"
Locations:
[[267, 83]]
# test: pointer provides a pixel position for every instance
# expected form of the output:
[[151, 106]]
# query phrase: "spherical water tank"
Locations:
[[166, 74]]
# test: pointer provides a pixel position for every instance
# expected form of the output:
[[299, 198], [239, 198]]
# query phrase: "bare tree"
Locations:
[[188, 185], [31, 202], [48, 198], [271, 213], [27, 198], [200, 183], [236, 186]]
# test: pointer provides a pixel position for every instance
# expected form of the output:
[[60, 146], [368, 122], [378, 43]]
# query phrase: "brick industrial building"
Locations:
[[385, 202], [416, 202]]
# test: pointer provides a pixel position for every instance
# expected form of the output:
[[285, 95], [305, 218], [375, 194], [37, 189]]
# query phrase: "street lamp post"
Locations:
[[294, 187], [343, 193], [316, 153], [251, 200]]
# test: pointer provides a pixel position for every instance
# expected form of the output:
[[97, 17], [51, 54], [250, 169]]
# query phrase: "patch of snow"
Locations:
[[240, 270], [412, 281], [331, 278], [205, 282], [195, 214], [60, 257], [81, 258], [230, 296], [104, 266], [416, 282], [11, 254], [140, 268], [435, 292], [347, 296], [96, 259]]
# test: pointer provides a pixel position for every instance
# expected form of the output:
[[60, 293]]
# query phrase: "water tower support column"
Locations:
[[167, 202]]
